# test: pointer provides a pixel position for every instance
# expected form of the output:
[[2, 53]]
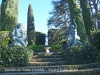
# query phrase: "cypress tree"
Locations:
[[9, 14], [87, 17], [0, 10], [30, 26], [75, 13], [0, 15]]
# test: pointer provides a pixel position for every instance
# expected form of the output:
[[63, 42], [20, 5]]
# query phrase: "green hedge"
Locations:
[[56, 47], [4, 38], [96, 39], [40, 48], [37, 48], [15, 56], [81, 55]]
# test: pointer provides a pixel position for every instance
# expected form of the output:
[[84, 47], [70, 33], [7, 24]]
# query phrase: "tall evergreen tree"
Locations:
[[9, 14], [87, 17], [75, 13], [30, 26], [0, 14], [58, 18], [0, 10]]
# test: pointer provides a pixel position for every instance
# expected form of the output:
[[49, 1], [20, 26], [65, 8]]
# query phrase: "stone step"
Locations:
[[57, 67], [46, 59], [70, 67], [51, 53], [51, 68], [47, 63], [47, 56], [92, 71]]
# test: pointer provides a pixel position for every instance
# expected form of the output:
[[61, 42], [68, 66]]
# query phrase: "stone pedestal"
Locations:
[[47, 49]]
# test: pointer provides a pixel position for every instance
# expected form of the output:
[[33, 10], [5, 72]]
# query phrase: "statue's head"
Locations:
[[72, 26], [19, 25]]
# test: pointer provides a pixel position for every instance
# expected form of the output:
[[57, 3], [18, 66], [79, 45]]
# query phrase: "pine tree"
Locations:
[[9, 14], [88, 21], [30, 26], [59, 18], [75, 13]]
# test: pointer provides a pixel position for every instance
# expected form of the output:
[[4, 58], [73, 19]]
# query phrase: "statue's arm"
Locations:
[[75, 24], [22, 33], [13, 33]]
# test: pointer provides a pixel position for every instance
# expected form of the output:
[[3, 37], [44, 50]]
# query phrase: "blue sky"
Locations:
[[41, 9]]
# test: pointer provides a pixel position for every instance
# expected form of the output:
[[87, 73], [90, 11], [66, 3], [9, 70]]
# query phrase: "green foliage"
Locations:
[[98, 14], [37, 48], [40, 38], [14, 56], [56, 47], [81, 55], [96, 38], [0, 14], [30, 26], [4, 38], [75, 13], [40, 48], [9, 15], [87, 17], [58, 18], [55, 36]]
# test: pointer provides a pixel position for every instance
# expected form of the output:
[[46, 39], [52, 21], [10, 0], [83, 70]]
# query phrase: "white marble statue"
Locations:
[[19, 36], [73, 38]]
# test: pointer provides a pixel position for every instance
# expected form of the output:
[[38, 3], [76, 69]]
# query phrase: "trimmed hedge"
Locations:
[[56, 47], [96, 38], [15, 56], [81, 55], [40, 48], [4, 38], [37, 48]]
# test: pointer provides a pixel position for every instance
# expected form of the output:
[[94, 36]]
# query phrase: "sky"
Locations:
[[41, 9]]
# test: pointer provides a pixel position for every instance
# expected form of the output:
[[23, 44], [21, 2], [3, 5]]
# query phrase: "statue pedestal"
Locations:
[[47, 49]]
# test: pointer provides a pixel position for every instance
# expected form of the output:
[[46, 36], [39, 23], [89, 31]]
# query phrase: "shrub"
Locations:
[[93, 53], [15, 56], [37, 48], [4, 38], [82, 55], [96, 38], [40, 48], [40, 38], [56, 47]]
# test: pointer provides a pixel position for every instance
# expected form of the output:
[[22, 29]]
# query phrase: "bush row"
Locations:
[[96, 38], [82, 55], [14, 56], [40, 48]]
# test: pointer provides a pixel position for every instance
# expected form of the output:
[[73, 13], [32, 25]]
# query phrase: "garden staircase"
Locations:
[[53, 64]]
